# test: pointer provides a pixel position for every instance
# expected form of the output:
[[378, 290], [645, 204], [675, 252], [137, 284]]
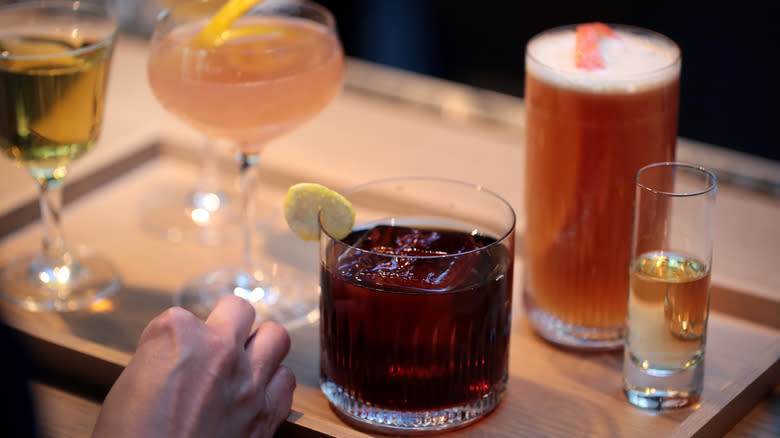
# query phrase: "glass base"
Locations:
[[363, 415], [276, 292], [179, 215], [37, 282], [662, 390], [559, 332]]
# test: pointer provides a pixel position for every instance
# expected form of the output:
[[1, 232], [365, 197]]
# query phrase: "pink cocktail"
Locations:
[[273, 69], [251, 88]]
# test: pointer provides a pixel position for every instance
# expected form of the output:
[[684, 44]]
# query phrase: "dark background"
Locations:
[[729, 91]]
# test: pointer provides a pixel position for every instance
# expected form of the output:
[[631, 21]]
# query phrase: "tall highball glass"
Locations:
[[587, 133]]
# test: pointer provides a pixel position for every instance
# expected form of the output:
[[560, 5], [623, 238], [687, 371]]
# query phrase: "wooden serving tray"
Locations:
[[364, 135], [551, 391]]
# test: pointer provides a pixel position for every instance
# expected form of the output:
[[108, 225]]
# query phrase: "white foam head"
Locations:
[[635, 61]]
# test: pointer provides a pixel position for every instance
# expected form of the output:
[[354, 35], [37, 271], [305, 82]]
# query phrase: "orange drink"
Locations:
[[588, 132]]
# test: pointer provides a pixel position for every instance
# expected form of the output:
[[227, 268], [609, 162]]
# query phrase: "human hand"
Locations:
[[194, 379]]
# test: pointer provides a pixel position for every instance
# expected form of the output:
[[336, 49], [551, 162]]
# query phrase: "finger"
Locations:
[[279, 395], [267, 347], [174, 320], [232, 316]]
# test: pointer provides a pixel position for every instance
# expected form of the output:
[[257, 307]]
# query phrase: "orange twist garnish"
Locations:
[[212, 34], [587, 53]]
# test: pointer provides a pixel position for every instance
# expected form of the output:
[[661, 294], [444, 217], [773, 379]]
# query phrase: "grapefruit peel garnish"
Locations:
[[307, 205], [216, 31], [587, 55]]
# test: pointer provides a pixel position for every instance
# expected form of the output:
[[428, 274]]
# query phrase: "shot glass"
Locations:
[[416, 306], [668, 299]]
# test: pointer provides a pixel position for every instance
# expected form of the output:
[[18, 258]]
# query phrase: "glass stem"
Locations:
[[247, 165], [208, 165], [54, 245]]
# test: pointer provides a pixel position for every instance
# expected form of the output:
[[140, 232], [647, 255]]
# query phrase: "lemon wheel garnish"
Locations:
[[212, 34], [302, 207]]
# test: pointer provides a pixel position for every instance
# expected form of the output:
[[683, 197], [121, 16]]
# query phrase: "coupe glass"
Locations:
[[54, 61], [276, 67]]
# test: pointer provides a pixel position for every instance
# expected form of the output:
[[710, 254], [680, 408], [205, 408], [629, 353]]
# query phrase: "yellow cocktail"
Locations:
[[54, 63]]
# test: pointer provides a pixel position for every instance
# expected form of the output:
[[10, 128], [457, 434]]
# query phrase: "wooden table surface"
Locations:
[[457, 137]]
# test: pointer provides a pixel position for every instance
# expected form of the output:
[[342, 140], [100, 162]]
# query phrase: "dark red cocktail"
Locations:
[[415, 319]]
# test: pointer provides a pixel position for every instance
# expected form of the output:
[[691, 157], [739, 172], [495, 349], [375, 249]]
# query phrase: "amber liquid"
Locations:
[[583, 150], [414, 335], [667, 311]]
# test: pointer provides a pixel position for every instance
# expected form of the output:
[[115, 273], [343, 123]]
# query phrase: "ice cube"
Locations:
[[413, 260]]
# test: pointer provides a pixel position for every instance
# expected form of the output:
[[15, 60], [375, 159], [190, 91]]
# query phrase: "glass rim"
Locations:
[[329, 24], [477, 187], [75, 6], [675, 62], [711, 177]]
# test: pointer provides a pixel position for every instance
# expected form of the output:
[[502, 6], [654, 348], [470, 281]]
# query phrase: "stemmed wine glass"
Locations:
[[54, 61], [274, 68]]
